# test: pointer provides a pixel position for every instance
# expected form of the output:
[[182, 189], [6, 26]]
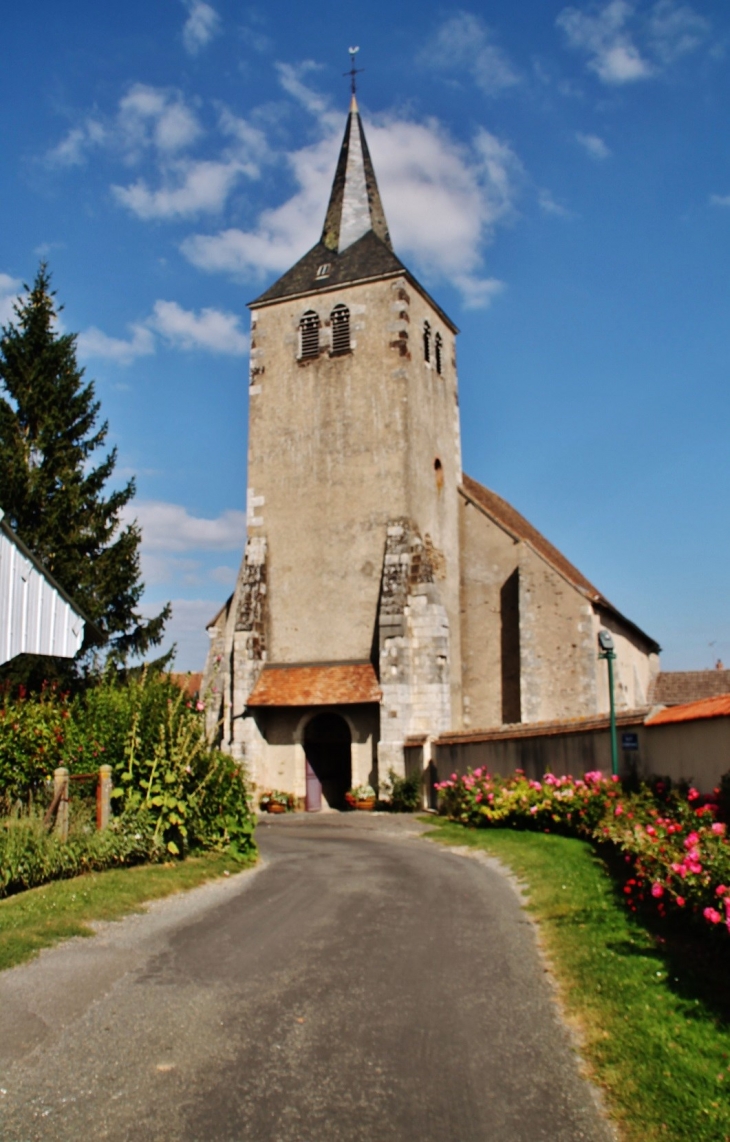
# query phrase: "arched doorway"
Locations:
[[327, 748]]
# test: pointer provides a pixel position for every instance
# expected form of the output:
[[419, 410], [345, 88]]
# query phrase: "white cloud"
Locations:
[[170, 528], [720, 199], [601, 32], [670, 30], [192, 188], [548, 205], [594, 145], [464, 43], [146, 117], [156, 116], [675, 29], [9, 290], [442, 199], [72, 149], [94, 343], [201, 25], [211, 329]]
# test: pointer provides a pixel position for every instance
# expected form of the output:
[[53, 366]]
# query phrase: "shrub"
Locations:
[[404, 793], [152, 735], [30, 855], [674, 845]]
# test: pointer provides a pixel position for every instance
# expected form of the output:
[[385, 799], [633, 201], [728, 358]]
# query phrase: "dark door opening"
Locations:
[[327, 749]]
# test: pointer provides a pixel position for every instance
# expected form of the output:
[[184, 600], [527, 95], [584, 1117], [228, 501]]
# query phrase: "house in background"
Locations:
[[36, 614]]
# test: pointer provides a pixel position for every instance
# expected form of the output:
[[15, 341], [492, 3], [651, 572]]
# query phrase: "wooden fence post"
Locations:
[[103, 797], [60, 790]]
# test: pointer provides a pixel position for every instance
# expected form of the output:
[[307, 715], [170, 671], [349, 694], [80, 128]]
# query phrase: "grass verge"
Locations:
[[652, 1009], [42, 916]]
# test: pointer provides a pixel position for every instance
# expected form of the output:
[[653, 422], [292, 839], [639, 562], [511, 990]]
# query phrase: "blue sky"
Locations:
[[557, 175]]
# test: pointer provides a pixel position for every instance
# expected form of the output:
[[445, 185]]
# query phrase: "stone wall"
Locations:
[[413, 646]]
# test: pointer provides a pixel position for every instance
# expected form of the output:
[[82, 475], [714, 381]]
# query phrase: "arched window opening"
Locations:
[[309, 335], [438, 352], [340, 318], [426, 341], [438, 469]]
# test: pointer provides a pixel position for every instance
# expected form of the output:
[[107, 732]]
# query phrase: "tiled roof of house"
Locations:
[[717, 707], [516, 525], [317, 684], [190, 683], [673, 687]]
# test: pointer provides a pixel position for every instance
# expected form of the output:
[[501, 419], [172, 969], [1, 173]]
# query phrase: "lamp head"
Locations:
[[605, 640]]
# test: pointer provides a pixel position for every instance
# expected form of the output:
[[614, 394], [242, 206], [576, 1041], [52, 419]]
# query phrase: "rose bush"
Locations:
[[675, 845]]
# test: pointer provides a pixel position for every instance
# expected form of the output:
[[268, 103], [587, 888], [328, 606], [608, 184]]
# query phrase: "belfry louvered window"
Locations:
[[309, 335], [438, 347], [340, 318], [426, 341]]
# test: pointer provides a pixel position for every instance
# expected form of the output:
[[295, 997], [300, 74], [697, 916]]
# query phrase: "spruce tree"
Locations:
[[53, 496]]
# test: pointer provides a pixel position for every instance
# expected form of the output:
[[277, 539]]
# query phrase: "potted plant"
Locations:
[[361, 797], [276, 802]]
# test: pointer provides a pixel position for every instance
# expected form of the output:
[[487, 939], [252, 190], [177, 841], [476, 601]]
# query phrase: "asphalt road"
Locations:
[[364, 984]]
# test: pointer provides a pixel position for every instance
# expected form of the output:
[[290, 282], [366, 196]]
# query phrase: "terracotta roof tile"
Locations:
[[514, 523], [190, 683], [675, 687], [328, 684], [717, 707]]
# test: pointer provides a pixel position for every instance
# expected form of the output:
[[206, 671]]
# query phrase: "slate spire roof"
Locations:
[[355, 245], [354, 206]]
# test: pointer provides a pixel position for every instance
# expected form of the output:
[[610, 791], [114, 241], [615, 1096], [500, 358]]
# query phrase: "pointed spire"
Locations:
[[354, 206]]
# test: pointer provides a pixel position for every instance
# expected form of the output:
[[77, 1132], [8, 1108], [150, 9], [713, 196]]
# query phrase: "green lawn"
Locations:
[[652, 1006], [42, 916]]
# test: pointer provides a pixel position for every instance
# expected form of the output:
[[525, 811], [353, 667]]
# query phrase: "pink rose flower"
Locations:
[[657, 890], [712, 915]]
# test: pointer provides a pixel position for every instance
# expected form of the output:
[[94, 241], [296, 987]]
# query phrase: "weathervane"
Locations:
[[353, 70]]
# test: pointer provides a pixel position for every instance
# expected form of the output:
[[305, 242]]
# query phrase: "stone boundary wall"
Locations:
[[697, 751]]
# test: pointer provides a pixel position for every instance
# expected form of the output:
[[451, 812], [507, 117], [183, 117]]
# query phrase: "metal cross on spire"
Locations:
[[353, 70]]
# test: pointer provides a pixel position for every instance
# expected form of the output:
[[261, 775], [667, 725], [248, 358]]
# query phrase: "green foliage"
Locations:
[[51, 493], [152, 735], [404, 794], [30, 855]]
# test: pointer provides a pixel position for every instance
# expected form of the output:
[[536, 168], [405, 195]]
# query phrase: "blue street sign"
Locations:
[[629, 741]]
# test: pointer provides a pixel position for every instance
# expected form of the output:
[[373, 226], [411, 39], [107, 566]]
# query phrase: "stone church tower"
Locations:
[[349, 632]]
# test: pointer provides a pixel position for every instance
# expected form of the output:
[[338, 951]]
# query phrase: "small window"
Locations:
[[309, 335], [439, 470], [438, 347], [340, 319], [323, 271], [426, 341]]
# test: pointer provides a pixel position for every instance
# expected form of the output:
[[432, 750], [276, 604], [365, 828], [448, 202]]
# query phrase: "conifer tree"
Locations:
[[53, 496]]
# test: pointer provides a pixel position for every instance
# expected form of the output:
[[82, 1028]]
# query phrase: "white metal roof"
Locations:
[[36, 614]]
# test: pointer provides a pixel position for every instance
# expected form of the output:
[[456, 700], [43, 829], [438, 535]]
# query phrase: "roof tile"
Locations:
[[328, 684], [717, 707]]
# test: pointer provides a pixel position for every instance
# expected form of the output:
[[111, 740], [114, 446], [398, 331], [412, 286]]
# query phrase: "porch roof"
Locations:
[[316, 684]]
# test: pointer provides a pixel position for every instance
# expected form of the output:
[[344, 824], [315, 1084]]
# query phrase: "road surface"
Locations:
[[362, 985]]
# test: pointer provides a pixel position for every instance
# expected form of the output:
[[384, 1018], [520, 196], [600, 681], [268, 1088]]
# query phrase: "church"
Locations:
[[384, 596]]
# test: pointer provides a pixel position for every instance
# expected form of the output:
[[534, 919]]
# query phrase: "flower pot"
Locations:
[[275, 807], [365, 806]]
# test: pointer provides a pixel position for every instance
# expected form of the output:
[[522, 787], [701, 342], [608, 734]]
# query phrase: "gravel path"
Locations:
[[361, 984]]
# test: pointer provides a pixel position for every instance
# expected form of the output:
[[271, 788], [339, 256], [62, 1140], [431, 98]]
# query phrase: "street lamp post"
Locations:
[[605, 641]]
